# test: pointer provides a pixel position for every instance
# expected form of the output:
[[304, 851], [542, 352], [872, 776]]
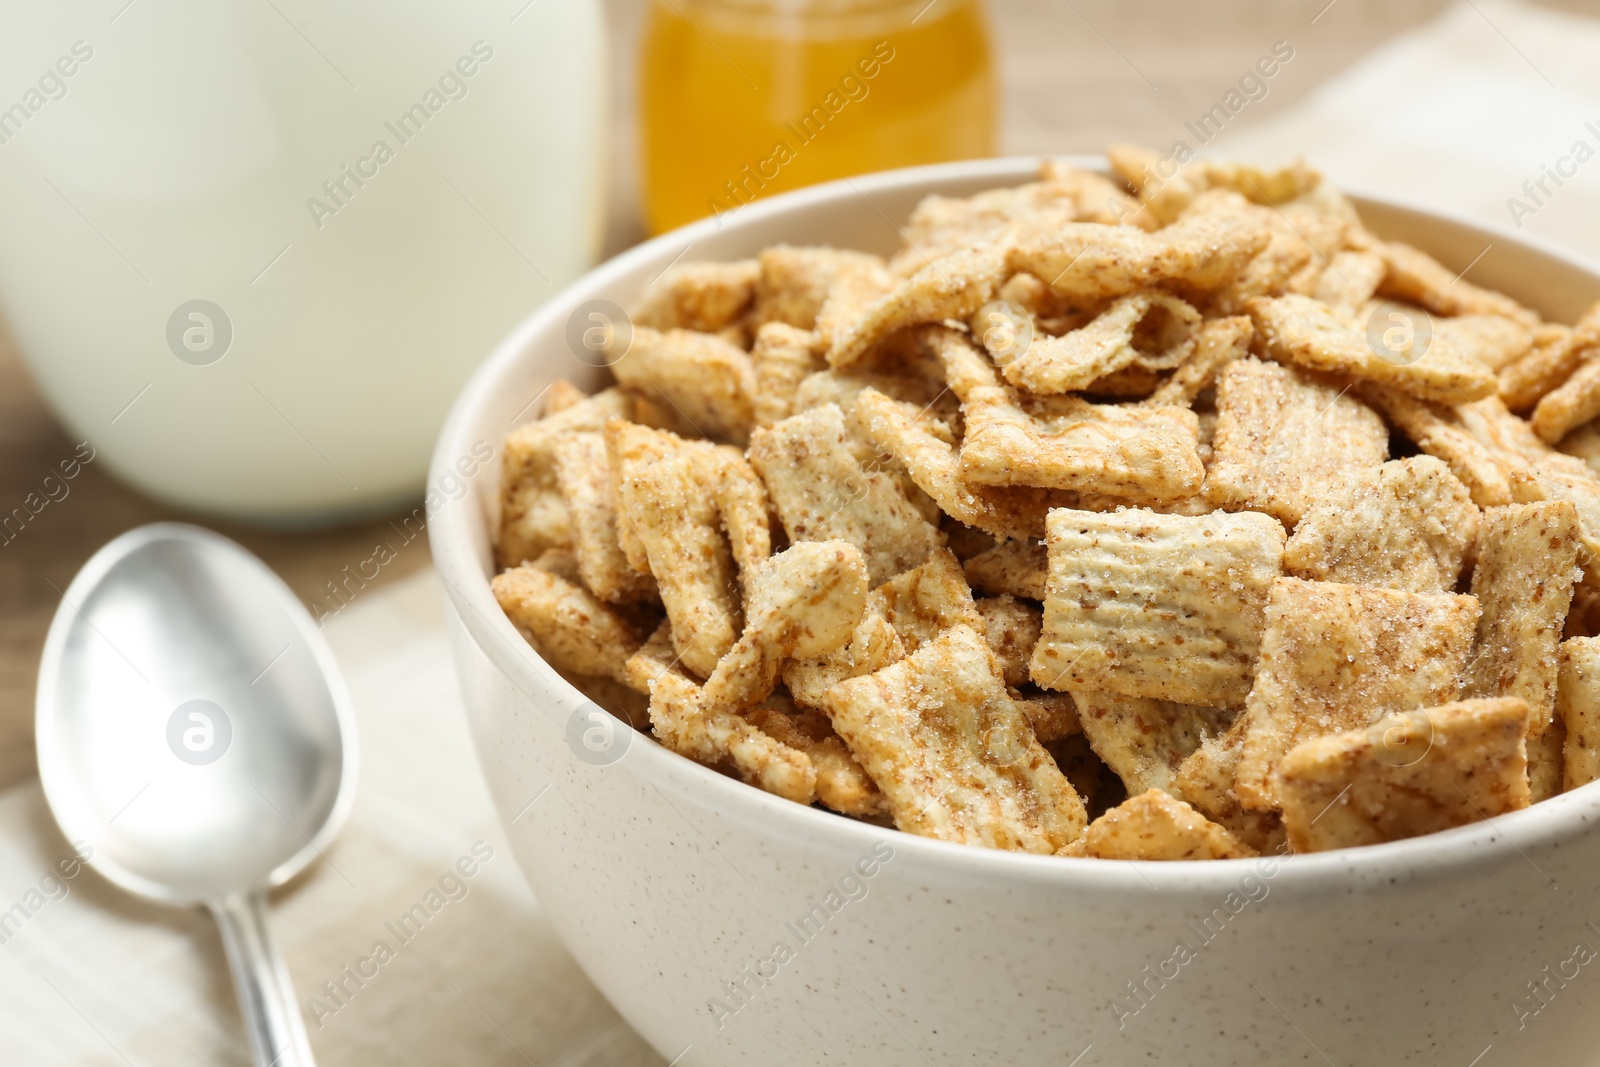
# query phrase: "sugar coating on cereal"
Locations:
[[1071, 525]]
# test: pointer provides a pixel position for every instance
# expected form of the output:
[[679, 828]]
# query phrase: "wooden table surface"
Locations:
[[1076, 74]]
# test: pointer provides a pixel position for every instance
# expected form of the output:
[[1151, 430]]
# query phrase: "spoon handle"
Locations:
[[266, 996]]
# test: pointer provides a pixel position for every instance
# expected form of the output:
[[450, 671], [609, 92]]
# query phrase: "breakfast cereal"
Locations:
[[1406, 774], [1157, 826], [1071, 525]]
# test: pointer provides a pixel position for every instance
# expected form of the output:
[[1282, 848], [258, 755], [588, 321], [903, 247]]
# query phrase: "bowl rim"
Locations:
[[1447, 853]]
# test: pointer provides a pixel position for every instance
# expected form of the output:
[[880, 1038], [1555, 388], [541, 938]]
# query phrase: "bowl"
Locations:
[[731, 927]]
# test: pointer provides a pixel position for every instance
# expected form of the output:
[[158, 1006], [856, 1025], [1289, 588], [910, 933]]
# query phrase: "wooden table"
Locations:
[[1076, 74]]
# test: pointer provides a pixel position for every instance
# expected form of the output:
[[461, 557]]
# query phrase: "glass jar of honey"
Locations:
[[740, 99]]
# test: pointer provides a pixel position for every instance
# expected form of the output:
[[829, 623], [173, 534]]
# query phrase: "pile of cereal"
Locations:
[[1143, 518]]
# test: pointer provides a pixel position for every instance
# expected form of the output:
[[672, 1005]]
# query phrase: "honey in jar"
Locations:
[[741, 99]]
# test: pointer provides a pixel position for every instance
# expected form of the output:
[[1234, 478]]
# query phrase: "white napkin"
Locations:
[[89, 975], [1459, 113]]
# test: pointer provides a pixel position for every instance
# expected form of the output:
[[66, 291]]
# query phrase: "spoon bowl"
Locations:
[[194, 731]]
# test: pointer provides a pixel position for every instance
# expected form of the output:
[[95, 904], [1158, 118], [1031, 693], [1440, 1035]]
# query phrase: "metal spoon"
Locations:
[[194, 731]]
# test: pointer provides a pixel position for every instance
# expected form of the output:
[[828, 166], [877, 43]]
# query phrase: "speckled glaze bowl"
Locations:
[[732, 927]]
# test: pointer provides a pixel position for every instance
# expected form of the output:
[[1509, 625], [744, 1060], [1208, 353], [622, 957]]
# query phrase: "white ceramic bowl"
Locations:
[[701, 907]]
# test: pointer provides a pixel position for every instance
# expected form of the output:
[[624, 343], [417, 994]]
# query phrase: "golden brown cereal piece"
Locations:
[[1099, 198], [1512, 440], [630, 448], [1167, 194], [1218, 343], [1050, 312], [1155, 826], [706, 380], [1571, 404], [1012, 629], [651, 660], [560, 562], [804, 602], [1442, 372], [566, 624], [1334, 656], [940, 225], [937, 411], [821, 493], [937, 408], [1297, 329], [1527, 561], [742, 501], [855, 288], [1553, 358], [1408, 524], [935, 468], [1407, 774], [1206, 776], [873, 646], [734, 490], [1490, 340], [1329, 221], [698, 296], [793, 283], [562, 395], [841, 782], [1137, 453], [1578, 702], [1283, 441], [952, 287], [1206, 779], [674, 511], [683, 722], [1415, 277], [1154, 326], [1270, 187], [952, 752], [1308, 333], [1546, 763], [922, 603], [1483, 469], [1162, 606], [1349, 280], [1145, 741], [1019, 568], [1088, 260], [532, 516], [1053, 715], [782, 358], [1289, 262], [583, 475], [1581, 490], [1557, 352]]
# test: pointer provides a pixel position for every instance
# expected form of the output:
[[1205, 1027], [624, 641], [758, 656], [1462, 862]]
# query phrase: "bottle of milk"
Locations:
[[252, 248]]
